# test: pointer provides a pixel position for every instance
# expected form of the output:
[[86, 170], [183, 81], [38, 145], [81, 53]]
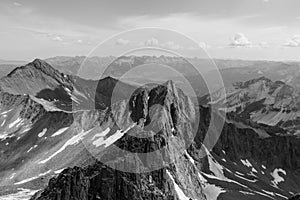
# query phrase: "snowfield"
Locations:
[[32, 178], [14, 123], [277, 177], [74, 140], [179, 192], [59, 132], [23, 194], [211, 191], [41, 134]]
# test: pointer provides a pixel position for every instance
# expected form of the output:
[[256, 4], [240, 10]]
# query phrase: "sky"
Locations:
[[229, 29]]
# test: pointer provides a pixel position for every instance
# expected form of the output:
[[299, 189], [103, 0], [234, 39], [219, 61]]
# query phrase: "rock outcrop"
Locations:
[[164, 116], [296, 197]]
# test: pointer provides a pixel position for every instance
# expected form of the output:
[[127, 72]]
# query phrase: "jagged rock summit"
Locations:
[[159, 160]]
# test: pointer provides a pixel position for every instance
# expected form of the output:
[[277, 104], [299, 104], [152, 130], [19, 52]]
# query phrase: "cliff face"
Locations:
[[297, 197], [164, 118], [274, 151], [100, 182], [248, 142]]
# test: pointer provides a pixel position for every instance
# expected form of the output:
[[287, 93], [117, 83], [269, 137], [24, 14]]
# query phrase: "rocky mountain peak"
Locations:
[[34, 67], [144, 102], [163, 93], [159, 114], [261, 80], [263, 89], [34, 78]]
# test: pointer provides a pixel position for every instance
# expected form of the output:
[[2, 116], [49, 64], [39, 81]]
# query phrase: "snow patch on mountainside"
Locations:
[[4, 136], [246, 179], [211, 191], [277, 177], [5, 112], [59, 132], [178, 190], [14, 123], [3, 122], [41, 134], [102, 134], [190, 158], [217, 170], [58, 171], [12, 176], [32, 178], [246, 163], [22, 194], [246, 193], [215, 167], [31, 148], [25, 130], [74, 140], [111, 139]]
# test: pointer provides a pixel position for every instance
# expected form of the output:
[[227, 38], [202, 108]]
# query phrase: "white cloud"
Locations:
[[151, 42], [79, 41], [121, 42], [240, 40], [266, 1], [293, 42], [168, 45], [17, 4], [57, 38]]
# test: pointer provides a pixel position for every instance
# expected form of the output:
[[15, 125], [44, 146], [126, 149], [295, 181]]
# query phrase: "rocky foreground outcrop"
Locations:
[[164, 117], [296, 197]]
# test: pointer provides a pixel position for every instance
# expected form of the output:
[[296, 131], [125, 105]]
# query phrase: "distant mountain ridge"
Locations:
[[262, 101], [13, 62], [32, 78], [232, 71]]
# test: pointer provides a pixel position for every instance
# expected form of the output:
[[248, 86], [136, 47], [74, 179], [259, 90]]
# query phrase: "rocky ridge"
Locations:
[[243, 165]]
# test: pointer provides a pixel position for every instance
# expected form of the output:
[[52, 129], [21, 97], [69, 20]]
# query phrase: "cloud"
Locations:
[[17, 4], [152, 42], [57, 38], [293, 42], [266, 1], [168, 45], [240, 40], [122, 42]]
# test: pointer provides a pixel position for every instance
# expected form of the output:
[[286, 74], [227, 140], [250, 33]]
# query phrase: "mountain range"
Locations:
[[63, 137]]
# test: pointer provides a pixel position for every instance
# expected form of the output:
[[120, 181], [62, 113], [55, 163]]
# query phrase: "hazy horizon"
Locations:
[[3, 60], [247, 30]]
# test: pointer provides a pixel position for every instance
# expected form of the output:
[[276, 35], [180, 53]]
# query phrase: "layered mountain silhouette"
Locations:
[[232, 71], [262, 102], [70, 138]]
